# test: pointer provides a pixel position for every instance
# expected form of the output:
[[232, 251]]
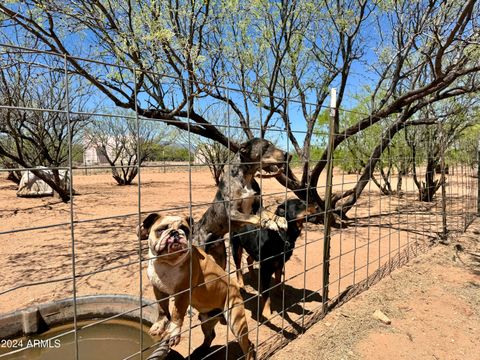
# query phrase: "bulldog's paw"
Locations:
[[173, 333], [174, 340], [158, 328]]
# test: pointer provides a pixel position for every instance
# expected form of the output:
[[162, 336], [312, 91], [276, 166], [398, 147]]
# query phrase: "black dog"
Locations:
[[269, 247], [237, 201]]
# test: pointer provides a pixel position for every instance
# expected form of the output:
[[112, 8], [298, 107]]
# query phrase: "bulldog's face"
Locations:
[[167, 236]]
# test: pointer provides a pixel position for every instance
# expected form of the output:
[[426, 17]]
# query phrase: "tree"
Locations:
[[14, 176], [211, 153], [31, 138], [432, 57], [215, 156], [422, 52], [169, 152], [354, 153], [465, 151], [429, 143], [124, 144]]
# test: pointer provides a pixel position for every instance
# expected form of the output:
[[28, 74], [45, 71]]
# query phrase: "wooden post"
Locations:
[[328, 202]]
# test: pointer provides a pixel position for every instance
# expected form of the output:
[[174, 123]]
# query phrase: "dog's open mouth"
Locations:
[[270, 171]]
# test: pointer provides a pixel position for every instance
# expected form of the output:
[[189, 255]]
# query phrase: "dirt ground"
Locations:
[[433, 304], [36, 243]]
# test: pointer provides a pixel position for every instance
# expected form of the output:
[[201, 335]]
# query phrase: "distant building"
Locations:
[[93, 153], [94, 156], [203, 154]]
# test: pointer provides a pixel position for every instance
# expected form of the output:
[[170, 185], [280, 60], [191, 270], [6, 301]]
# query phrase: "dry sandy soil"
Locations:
[[36, 244], [433, 303]]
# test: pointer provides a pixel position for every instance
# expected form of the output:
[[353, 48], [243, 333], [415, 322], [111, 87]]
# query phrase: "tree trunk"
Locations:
[[428, 188], [370, 165], [63, 193], [217, 171], [399, 183], [385, 189], [13, 176], [127, 175]]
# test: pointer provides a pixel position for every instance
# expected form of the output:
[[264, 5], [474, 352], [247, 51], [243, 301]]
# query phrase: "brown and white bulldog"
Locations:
[[212, 292]]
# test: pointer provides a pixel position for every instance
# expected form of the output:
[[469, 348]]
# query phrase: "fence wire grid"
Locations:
[[87, 248]]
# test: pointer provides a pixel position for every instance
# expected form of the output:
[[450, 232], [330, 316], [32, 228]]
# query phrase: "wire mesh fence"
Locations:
[[378, 200]]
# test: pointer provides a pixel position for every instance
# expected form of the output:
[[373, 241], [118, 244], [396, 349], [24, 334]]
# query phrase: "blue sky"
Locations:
[[80, 45]]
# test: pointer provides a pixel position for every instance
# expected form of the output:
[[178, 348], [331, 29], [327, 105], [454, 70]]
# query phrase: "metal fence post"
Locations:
[[139, 199], [478, 178], [328, 201], [444, 238], [71, 209]]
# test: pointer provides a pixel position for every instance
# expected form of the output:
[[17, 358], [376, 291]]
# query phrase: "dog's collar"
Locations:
[[284, 236]]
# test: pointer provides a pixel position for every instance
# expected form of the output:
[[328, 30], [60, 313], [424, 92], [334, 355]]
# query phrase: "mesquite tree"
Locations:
[[413, 53], [32, 138], [125, 143], [428, 144]]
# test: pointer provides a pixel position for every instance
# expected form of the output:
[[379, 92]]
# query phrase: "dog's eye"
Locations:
[[160, 230], [185, 229]]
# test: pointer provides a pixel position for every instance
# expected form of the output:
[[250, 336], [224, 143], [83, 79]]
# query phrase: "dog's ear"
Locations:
[[281, 211], [190, 221], [242, 150], [144, 229]]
